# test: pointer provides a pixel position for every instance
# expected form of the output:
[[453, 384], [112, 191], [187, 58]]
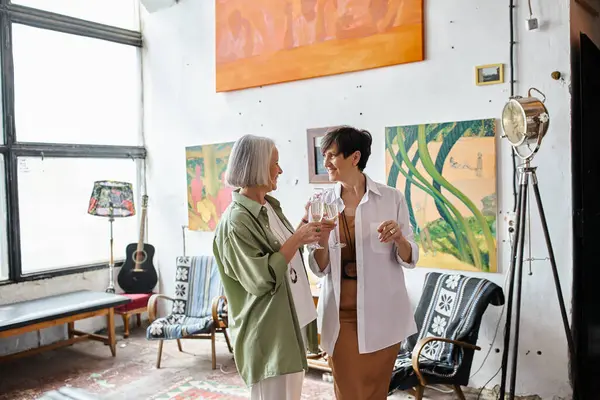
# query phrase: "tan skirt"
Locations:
[[358, 376]]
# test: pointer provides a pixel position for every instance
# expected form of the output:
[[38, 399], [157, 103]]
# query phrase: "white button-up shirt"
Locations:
[[384, 313]]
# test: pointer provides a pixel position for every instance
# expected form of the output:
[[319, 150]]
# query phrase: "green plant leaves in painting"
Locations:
[[469, 238]]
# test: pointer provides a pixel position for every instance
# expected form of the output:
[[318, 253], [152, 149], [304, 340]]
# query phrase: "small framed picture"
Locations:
[[489, 74], [317, 173]]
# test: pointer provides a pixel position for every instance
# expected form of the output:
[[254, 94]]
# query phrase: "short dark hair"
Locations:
[[348, 140]]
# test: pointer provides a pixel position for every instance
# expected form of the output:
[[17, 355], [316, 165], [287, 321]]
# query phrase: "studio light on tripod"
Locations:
[[525, 122]]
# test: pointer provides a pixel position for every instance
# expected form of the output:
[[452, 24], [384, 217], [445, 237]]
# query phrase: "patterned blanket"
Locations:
[[197, 283], [451, 305]]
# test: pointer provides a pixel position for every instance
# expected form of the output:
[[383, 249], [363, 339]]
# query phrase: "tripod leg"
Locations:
[[515, 354], [563, 311], [513, 261]]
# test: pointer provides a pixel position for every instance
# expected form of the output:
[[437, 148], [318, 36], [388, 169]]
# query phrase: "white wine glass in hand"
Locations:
[[316, 215], [332, 214]]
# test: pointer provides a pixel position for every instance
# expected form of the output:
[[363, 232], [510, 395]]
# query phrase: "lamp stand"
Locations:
[[111, 263], [527, 175]]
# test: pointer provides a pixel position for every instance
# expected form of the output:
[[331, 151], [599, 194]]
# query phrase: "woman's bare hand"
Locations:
[[309, 233], [326, 228]]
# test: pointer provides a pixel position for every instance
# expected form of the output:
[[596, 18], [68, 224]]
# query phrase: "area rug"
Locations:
[[201, 390], [229, 385]]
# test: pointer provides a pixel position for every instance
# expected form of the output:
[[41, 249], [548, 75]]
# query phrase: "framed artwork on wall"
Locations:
[[447, 172], [264, 42], [316, 169], [207, 194], [490, 74]]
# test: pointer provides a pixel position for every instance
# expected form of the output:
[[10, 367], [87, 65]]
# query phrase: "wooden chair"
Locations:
[[448, 317], [199, 309]]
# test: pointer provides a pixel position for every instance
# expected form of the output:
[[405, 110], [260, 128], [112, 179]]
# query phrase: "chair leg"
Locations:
[[459, 392], [227, 340], [212, 342], [160, 346], [125, 325], [179, 345], [419, 392], [139, 320]]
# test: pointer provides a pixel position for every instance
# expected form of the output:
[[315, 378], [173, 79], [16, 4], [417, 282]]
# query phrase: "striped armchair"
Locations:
[[199, 307]]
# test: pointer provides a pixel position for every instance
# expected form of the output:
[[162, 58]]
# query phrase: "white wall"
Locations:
[[182, 109]]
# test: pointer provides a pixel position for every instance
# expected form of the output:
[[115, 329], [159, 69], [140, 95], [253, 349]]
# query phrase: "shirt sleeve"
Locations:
[[314, 266], [408, 234], [258, 272]]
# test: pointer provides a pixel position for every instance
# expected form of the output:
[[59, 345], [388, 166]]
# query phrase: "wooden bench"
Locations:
[[46, 312]]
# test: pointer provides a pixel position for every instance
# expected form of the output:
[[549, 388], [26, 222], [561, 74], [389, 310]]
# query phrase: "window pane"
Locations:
[[121, 13], [56, 230], [3, 224], [75, 89]]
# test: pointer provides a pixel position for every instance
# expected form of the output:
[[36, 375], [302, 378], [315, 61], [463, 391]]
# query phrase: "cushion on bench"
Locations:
[[49, 308], [137, 301]]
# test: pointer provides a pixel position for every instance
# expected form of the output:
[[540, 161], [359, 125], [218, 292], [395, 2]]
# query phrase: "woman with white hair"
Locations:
[[265, 281]]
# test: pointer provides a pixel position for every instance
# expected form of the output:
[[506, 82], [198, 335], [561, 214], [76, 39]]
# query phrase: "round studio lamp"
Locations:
[[525, 122]]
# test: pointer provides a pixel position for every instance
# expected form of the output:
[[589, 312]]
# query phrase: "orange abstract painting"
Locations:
[[263, 42]]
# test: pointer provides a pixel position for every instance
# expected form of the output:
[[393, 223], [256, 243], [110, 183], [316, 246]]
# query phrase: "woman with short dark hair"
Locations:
[[364, 311]]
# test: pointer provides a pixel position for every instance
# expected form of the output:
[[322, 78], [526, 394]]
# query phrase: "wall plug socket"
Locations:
[[532, 24], [511, 223]]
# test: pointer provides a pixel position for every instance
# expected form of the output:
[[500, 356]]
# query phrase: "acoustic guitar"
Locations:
[[138, 275]]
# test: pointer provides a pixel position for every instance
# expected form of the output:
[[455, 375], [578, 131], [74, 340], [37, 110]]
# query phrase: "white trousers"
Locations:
[[283, 387]]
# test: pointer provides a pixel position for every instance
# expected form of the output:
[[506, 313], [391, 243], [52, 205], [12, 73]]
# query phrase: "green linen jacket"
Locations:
[[266, 335]]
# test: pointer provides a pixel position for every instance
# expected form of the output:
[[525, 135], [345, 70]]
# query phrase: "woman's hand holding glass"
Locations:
[[327, 225], [305, 234], [309, 233]]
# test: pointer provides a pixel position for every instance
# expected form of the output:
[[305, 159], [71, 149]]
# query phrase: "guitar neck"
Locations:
[[140, 245]]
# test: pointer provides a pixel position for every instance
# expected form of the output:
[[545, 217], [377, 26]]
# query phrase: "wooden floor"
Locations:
[[132, 373]]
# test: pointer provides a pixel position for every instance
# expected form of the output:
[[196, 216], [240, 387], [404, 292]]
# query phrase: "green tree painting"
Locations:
[[447, 172]]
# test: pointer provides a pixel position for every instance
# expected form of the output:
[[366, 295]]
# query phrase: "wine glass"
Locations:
[[316, 210], [332, 213]]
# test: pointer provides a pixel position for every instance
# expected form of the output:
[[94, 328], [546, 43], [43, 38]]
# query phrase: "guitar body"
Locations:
[[141, 276], [138, 274]]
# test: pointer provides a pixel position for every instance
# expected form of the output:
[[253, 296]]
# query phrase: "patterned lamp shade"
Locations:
[[112, 198]]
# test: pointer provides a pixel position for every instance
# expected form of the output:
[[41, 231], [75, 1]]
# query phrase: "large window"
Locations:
[[56, 231], [71, 115], [74, 89]]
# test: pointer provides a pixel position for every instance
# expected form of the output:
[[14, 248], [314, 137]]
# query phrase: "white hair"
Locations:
[[250, 162]]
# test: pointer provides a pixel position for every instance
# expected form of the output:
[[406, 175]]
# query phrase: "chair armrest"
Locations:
[[421, 344], [215, 309], [152, 302]]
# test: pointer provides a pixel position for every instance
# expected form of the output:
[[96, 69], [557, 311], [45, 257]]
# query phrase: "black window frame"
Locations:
[[11, 149]]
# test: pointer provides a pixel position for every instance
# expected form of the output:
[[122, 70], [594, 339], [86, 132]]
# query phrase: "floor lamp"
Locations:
[[111, 199]]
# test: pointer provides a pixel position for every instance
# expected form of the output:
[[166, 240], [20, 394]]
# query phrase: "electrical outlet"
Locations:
[[511, 222], [532, 24]]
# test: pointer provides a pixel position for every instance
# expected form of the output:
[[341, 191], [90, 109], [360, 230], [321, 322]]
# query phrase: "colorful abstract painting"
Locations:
[[447, 172], [263, 42], [207, 194]]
